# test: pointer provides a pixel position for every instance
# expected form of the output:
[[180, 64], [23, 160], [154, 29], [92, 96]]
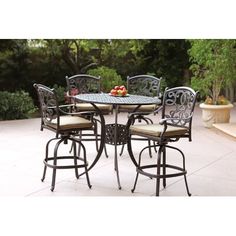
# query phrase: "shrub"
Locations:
[[109, 77], [18, 105], [60, 92], [213, 66]]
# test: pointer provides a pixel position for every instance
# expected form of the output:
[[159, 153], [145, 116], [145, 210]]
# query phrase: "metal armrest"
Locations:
[[158, 109], [138, 113], [82, 113], [66, 105], [164, 121]]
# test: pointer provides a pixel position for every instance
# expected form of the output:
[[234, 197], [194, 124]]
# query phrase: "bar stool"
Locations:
[[176, 123], [83, 83], [65, 125], [146, 85]]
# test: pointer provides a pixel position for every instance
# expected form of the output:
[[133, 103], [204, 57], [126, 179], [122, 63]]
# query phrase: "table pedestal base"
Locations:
[[116, 134], [121, 134]]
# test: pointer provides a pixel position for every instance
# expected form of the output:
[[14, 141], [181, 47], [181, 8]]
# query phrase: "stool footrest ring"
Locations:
[[64, 166], [180, 173]]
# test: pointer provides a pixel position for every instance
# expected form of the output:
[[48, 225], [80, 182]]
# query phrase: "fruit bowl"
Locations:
[[119, 91], [127, 95]]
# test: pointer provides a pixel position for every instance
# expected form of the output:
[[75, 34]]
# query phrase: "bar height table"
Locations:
[[114, 134]]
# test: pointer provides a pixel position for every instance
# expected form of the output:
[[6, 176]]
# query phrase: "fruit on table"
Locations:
[[114, 92], [122, 87], [119, 91]]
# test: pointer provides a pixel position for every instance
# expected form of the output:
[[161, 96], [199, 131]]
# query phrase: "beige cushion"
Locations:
[[90, 107], [156, 130], [143, 108], [71, 122]]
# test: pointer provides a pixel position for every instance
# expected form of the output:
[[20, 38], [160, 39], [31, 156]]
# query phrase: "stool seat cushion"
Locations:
[[155, 130], [71, 122], [90, 107], [143, 108]]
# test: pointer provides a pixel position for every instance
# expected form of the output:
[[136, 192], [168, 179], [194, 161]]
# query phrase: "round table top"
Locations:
[[105, 98]]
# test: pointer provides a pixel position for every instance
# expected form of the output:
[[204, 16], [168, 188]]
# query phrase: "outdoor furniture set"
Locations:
[[85, 113]]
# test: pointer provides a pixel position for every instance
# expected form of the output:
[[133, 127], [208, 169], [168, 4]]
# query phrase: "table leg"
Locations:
[[115, 141], [102, 141]]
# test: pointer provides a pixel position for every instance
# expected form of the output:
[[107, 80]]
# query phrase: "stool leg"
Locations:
[[54, 174], [55, 163], [158, 171], [71, 147], [105, 150], [149, 149], [86, 164], [186, 184], [46, 159], [185, 178], [80, 137], [155, 149], [164, 165], [149, 121], [75, 160], [44, 173], [137, 174], [135, 182]]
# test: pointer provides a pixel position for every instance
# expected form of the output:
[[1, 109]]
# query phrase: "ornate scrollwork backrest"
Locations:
[[179, 103], [83, 83], [145, 85], [48, 103]]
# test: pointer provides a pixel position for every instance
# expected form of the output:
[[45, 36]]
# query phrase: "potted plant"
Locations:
[[214, 68]]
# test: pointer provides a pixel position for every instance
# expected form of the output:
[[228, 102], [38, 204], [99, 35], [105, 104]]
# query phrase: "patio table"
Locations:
[[114, 134]]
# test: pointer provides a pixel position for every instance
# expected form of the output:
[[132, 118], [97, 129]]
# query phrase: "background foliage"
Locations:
[[24, 62], [17, 105], [47, 61], [109, 77], [213, 66]]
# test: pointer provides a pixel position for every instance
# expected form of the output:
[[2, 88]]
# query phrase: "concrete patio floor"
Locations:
[[210, 162]]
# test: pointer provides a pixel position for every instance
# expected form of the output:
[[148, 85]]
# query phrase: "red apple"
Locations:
[[124, 92], [119, 92], [113, 92], [122, 87], [117, 87]]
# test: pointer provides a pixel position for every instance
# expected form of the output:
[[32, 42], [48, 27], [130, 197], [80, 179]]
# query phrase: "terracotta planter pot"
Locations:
[[212, 114]]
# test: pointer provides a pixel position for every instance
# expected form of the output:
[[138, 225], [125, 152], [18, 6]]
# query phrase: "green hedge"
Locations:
[[109, 77], [60, 92], [18, 105]]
